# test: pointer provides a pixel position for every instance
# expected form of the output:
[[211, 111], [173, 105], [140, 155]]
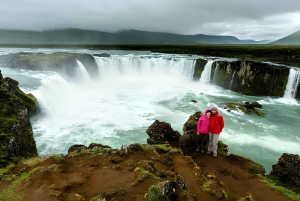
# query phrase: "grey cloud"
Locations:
[[255, 19]]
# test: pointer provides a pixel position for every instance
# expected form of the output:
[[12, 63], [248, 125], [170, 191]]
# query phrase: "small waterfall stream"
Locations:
[[292, 84], [206, 74], [216, 74], [232, 79]]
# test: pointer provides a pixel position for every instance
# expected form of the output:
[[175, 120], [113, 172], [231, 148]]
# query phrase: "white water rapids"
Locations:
[[135, 88]]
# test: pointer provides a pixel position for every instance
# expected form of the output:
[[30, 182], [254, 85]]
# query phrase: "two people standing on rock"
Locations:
[[212, 122]]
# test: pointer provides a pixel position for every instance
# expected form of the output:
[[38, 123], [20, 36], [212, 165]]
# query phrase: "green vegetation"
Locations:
[[154, 194], [143, 171], [256, 168], [221, 148], [96, 150], [10, 194], [285, 189], [57, 158]]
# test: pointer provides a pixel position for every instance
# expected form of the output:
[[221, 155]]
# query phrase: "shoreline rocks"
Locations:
[[16, 135], [287, 170]]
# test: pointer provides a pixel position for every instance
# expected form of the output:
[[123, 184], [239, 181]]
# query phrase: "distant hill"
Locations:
[[78, 36], [293, 39]]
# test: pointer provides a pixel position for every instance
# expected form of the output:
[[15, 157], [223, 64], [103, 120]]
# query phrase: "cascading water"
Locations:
[[216, 74], [81, 73], [129, 91], [292, 84], [232, 79], [206, 74]]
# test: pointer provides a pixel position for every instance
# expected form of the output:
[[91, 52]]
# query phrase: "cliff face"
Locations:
[[16, 136], [60, 62], [250, 77]]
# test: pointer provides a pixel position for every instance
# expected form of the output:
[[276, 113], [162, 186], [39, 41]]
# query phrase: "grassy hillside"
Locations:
[[293, 39], [78, 36]]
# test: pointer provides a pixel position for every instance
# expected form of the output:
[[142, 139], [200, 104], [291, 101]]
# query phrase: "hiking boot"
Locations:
[[198, 149], [208, 152], [202, 150]]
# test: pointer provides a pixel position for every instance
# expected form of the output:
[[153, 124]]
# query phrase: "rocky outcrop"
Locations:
[[246, 108], [251, 77], [16, 136], [188, 140], [288, 170], [63, 63], [199, 67], [162, 132]]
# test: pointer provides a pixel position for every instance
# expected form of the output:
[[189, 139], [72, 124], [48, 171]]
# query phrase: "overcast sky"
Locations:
[[245, 19]]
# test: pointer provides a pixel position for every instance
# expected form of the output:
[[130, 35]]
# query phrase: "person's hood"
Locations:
[[204, 115], [214, 108]]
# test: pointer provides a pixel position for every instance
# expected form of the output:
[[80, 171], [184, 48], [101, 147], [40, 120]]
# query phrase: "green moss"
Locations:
[[143, 171], [10, 193], [154, 194], [256, 168], [57, 158], [221, 147]]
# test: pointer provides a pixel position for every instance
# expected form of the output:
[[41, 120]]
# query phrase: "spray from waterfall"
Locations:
[[206, 74], [292, 84], [232, 79]]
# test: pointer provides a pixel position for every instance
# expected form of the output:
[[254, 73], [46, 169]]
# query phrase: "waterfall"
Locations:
[[216, 74], [146, 68], [292, 84], [206, 74], [232, 79], [81, 73]]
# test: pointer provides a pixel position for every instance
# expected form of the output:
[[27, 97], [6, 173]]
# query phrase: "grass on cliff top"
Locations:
[[55, 59], [11, 194], [286, 190]]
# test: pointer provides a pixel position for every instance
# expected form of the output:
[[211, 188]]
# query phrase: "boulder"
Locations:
[[288, 169], [76, 148], [135, 147], [246, 108], [92, 145], [188, 140], [160, 132], [16, 135]]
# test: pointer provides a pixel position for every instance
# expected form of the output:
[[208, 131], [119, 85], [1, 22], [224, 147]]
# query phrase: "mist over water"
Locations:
[[135, 88]]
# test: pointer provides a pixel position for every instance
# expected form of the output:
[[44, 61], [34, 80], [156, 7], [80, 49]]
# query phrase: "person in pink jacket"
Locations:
[[203, 130]]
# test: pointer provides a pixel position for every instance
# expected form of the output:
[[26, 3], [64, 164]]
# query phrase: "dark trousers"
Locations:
[[202, 140]]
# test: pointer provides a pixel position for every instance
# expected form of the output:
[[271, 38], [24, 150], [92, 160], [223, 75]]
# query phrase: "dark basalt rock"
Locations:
[[92, 145], [16, 136], [160, 132], [188, 140], [76, 148], [135, 147], [102, 55], [288, 169], [246, 108], [251, 77]]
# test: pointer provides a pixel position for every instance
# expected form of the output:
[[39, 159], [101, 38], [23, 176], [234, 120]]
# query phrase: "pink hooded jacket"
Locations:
[[203, 124]]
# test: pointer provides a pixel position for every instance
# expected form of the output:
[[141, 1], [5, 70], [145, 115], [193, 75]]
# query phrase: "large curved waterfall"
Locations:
[[132, 90]]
